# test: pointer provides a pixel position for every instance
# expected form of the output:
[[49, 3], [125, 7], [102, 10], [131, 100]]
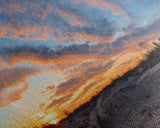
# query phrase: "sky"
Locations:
[[55, 55]]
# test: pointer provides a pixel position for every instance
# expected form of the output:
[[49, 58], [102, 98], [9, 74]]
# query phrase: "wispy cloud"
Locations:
[[68, 24], [8, 98], [104, 5], [74, 48], [11, 79]]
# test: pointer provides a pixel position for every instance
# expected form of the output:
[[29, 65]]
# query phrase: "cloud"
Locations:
[[14, 76], [69, 86], [14, 82], [78, 38], [21, 17], [75, 83], [95, 78], [105, 5], [71, 17], [139, 35], [8, 98], [45, 55], [123, 48], [101, 31], [3, 31], [56, 21], [129, 1], [149, 3], [59, 101], [11, 7], [37, 9]]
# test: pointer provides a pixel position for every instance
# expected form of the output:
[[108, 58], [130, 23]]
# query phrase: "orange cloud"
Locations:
[[8, 98], [60, 101], [85, 70], [105, 5], [44, 33], [91, 84], [11, 7], [90, 76], [90, 37], [40, 56], [38, 10], [3, 31], [15, 29], [29, 32], [76, 82], [1, 61], [14, 77], [146, 38], [66, 32], [95, 78], [72, 18]]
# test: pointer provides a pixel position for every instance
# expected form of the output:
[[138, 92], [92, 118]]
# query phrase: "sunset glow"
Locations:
[[55, 55]]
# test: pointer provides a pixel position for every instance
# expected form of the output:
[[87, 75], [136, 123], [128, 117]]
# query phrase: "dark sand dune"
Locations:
[[132, 101]]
